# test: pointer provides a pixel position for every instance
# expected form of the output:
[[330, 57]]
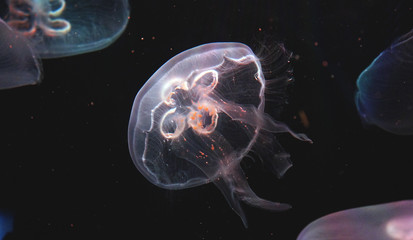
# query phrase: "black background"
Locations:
[[65, 169]]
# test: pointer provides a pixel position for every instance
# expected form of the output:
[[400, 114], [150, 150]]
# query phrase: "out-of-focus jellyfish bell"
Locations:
[[390, 221], [19, 65], [58, 28], [384, 97], [6, 222], [199, 115]]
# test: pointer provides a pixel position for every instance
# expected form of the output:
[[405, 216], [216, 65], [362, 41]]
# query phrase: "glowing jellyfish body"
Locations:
[[390, 221], [385, 88], [199, 115], [19, 65], [58, 28]]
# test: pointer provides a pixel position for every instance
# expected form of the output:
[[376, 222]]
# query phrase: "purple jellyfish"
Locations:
[[389, 221]]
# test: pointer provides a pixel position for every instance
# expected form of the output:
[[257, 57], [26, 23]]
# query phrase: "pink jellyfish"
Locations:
[[389, 221]]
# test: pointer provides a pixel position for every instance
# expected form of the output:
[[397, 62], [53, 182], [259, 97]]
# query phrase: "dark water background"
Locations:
[[65, 169]]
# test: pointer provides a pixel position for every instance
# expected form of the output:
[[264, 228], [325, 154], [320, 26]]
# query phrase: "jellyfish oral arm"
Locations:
[[19, 64], [234, 186], [251, 116]]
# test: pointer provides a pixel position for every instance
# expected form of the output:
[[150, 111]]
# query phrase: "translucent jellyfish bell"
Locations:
[[19, 65], [390, 221], [384, 97], [58, 28], [197, 117]]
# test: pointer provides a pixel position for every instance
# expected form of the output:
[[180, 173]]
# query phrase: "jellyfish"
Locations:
[[389, 221], [52, 29], [19, 65], [200, 114], [58, 28], [385, 88], [6, 222]]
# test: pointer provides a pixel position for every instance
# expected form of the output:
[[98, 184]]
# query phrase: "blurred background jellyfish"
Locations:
[[51, 29], [6, 222], [19, 65], [200, 114], [385, 88], [390, 221], [58, 28]]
